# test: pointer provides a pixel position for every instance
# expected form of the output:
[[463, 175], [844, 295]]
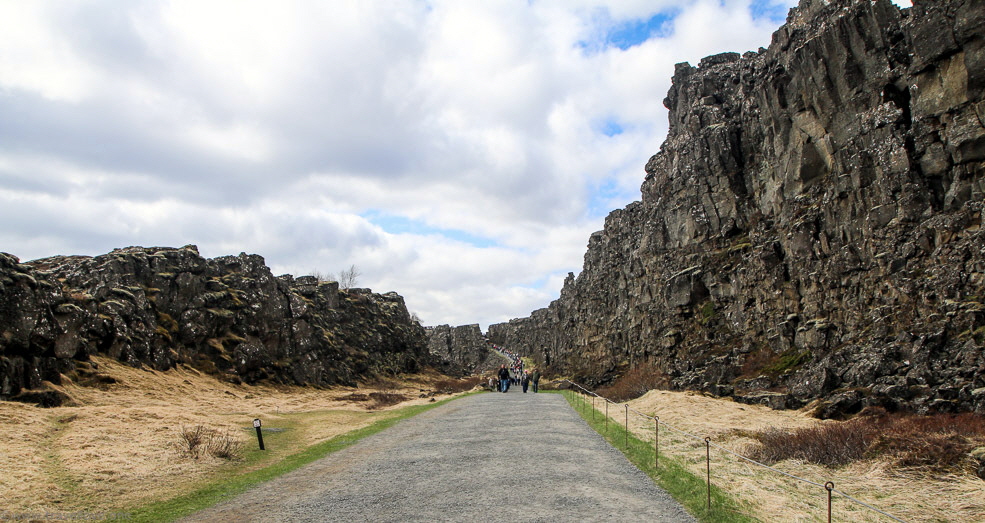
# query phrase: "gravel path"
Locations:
[[492, 457]]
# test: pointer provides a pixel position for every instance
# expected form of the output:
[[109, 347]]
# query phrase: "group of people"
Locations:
[[514, 375]]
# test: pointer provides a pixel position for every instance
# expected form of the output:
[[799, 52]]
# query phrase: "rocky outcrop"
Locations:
[[811, 227], [228, 316], [461, 350]]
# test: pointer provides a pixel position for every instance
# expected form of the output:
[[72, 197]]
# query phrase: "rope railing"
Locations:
[[828, 486]]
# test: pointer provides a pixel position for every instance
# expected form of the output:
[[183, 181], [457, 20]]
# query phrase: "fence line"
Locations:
[[828, 486]]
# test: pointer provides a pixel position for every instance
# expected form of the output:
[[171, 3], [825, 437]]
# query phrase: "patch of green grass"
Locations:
[[690, 490], [232, 483], [788, 360]]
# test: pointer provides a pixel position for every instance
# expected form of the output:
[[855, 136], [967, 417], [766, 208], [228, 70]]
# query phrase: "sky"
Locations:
[[458, 152]]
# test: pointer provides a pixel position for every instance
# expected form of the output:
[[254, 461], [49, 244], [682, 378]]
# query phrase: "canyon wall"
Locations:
[[461, 350], [809, 230], [228, 316]]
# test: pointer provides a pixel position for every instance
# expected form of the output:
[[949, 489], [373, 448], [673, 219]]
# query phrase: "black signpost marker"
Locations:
[[256, 425]]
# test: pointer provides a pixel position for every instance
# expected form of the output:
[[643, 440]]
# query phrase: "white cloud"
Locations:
[[282, 128]]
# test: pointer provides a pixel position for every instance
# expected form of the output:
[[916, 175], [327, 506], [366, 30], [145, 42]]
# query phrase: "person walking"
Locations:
[[504, 379], [525, 381], [535, 378]]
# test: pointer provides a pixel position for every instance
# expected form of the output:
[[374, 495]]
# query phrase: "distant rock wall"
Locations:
[[811, 227], [463, 350], [228, 316]]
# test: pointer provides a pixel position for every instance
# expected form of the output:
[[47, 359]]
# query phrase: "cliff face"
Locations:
[[228, 316], [811, 227], [461, 350]]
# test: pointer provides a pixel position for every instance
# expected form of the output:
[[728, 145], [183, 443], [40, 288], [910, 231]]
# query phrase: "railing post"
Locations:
[[656, 441], [627, 426], [829, 486], [708, 467]]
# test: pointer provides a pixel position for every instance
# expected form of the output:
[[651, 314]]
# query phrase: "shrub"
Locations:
[[201, 439], [385, 399], [192, 439], [223, 445], [938, 443], [635, 382], [833, 444]]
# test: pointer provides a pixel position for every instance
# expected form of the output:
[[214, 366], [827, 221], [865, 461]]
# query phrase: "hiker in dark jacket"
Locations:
[[525, 381], [535, 378], [504, 378]]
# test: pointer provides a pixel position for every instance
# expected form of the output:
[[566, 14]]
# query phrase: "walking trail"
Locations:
[[490, 457]]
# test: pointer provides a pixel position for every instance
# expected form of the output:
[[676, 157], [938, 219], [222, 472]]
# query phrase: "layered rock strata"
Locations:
[[811, 227], [228, 316]]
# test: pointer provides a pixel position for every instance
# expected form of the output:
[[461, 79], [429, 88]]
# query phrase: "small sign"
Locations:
[[256, 425]]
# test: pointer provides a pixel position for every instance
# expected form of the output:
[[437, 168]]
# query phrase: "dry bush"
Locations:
[[223, 445], [636, 382], [385, 399], [199, 439], [453, 386], [938, 443], [192, 439], [833, 444]]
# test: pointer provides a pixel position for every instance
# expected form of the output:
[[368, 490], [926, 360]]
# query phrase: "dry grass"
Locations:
[[453, 386], [913, 495], [123, 444]]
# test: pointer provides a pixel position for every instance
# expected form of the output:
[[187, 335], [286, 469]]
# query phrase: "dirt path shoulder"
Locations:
[[492, 457]]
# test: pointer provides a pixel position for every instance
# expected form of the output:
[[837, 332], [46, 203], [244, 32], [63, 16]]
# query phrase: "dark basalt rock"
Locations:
[[228, 316], [811, 227], [461, 350]]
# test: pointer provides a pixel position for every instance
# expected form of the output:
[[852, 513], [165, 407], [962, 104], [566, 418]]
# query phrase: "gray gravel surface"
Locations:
[[487, 457]]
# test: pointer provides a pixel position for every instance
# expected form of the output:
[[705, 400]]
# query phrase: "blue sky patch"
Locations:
[[635, 32], [607, 197], [611, 127], [770, 9], [624, 35], [402, 225]]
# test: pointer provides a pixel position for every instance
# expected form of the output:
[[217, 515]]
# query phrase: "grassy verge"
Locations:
[[233, 481], [688, 489]]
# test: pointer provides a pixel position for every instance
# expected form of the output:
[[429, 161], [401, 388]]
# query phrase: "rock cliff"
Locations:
[[811, 227], [461, 350], [228, 316]]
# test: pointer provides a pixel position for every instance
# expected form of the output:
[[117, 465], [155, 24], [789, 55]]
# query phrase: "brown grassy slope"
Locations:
[[121, 444], [913, 495]]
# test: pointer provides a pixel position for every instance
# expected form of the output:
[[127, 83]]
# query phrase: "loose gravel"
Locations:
[[489, 457]]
